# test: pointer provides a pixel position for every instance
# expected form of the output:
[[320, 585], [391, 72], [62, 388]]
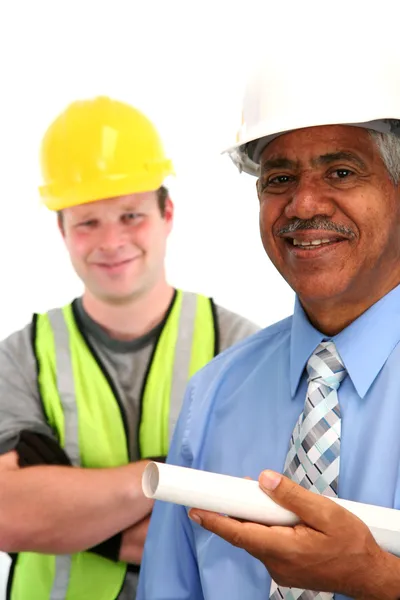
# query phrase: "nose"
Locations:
[[112, 237], [309, 199]]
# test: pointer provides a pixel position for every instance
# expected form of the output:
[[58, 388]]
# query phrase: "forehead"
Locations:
[[304, 145], [109, 206]]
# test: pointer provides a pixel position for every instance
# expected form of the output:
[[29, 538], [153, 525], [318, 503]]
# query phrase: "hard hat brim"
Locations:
[[56, 197], [246, 154]]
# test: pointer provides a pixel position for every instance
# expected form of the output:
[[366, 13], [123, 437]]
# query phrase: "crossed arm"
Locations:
[[59, 509]]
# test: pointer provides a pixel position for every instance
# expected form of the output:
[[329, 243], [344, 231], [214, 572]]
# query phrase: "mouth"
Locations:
[[313, 243], [310, 245], [115, 265]]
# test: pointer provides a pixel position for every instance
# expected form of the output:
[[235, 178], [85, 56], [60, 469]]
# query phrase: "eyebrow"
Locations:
[[279, 163], [324, 159], [86, 216]]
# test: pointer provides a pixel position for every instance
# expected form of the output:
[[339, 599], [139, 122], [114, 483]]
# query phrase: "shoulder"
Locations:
[[233, 327], [18, 368], [18, 345]]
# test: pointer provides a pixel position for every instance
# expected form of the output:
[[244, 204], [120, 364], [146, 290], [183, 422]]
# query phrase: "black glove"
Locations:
[[39, 449], [110, 548], [160, 459]]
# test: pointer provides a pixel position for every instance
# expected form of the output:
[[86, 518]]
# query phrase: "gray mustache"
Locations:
[[321, 224]]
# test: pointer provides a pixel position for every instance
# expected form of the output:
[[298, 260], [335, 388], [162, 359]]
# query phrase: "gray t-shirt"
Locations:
[[126, 362]]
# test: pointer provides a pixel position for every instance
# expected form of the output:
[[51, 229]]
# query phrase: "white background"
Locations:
[[183, 63]]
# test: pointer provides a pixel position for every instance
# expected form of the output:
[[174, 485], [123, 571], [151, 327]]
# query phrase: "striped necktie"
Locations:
[[314, 450]]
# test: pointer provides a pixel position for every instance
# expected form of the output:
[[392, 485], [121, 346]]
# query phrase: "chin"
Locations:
[[319, 289], [116, 298]]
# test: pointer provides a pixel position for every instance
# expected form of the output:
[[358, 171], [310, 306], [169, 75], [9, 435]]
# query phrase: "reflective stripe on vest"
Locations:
[[66, 384], [71, 381], [183, 353], [186, 344], [66, 388]]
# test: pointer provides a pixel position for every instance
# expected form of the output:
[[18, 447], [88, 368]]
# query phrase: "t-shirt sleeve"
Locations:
[[20, 405], [233, 328]]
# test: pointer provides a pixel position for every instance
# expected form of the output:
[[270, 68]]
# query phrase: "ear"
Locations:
[[169, 213], [60, 223], [258, 190]]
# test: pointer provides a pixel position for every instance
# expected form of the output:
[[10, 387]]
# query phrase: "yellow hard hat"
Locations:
[[100, 148]]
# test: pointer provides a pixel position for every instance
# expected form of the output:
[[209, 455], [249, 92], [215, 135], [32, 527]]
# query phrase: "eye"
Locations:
[[341, 173], [131, 216], [275, 183], [90, 223], [279, 179]]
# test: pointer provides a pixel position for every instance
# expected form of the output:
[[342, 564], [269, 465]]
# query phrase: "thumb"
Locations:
[[313, 509]]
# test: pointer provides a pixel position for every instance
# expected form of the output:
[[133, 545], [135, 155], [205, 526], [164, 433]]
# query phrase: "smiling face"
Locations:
[[117, 246], [330, 214]]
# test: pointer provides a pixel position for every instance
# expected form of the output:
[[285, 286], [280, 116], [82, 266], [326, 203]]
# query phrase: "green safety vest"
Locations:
[[83, 408]]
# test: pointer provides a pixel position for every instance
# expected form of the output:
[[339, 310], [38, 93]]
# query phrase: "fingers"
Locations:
[[256, 539], [319, 512]]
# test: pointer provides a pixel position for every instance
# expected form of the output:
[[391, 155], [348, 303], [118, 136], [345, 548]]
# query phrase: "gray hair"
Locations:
[[389, 148]]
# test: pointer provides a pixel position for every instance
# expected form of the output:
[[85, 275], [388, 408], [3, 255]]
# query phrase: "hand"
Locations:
[[133, 540], [331, 550]]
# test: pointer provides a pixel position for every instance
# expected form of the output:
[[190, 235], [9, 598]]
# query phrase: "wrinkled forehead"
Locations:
[[256, 147], [306, 145]]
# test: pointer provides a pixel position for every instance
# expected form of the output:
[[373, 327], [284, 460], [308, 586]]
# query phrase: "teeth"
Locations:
[[312, 243]]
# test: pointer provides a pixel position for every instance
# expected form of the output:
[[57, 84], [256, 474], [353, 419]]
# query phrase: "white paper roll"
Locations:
[[243, 499]]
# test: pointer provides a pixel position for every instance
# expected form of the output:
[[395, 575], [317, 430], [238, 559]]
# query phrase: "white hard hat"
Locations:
[[288, 92]]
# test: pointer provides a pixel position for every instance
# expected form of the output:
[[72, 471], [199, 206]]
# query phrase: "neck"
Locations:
[[331, 316], [134, 318]]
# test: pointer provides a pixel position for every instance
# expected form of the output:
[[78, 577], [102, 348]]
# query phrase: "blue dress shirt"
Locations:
[[237, 418]]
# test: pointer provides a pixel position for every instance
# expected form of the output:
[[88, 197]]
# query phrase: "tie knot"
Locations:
[[325, 366]]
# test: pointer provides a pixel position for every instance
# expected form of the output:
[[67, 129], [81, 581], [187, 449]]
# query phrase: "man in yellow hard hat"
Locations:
[[317, 395], [91, 391]]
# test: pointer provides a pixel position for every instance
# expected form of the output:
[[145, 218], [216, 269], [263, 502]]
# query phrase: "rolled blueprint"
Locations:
[[244, 499]]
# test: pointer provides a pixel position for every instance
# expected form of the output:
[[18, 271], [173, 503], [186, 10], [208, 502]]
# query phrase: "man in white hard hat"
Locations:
[[312, 402]]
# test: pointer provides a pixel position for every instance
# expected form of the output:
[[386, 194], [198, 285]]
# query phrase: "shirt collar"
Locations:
[[364, 346]]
